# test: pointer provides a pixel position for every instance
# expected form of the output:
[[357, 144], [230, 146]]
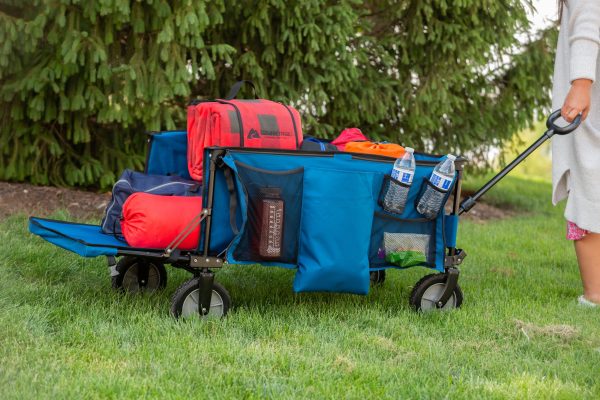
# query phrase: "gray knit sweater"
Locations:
[[576, 157]]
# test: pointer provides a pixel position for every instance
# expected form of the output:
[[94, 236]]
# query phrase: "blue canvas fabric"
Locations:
[[329, 179], [83, 239], [337, 213], [343, 162], [221, 233], [314, 144], [131, 182], [451, 229], [167, 154]]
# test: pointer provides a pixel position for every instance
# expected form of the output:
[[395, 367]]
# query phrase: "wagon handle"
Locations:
[[561, 130], [553, 129]]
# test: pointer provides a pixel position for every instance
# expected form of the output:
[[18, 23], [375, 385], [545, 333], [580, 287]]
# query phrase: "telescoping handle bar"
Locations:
[[553, 129]]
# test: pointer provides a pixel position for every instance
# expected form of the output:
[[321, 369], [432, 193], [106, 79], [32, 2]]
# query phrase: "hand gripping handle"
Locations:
[[562, 130]]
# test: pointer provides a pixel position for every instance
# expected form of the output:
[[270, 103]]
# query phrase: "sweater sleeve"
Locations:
[[584, 38]]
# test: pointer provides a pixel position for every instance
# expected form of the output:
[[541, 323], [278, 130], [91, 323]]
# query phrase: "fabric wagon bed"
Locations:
[[334, 226]]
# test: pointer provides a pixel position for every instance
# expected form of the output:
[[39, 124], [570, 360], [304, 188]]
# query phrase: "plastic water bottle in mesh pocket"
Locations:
[[397, 186], [271, 220], [431, 202], [395, 196], [406, 249]]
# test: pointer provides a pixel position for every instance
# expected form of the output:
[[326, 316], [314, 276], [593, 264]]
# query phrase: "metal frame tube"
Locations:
[[209, 202], [468, 203]]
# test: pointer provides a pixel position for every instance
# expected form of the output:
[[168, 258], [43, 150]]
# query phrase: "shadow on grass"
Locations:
[[50, 273]]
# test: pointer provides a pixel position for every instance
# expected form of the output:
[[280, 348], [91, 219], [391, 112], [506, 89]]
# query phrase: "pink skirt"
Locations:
[[574, 232]]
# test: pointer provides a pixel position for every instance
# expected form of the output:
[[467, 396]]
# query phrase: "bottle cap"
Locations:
[[409, 149], [451, 157]]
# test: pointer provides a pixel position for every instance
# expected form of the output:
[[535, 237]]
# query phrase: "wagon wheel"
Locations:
[[137, 275], [377, 277], [184, 303], [428, 290]]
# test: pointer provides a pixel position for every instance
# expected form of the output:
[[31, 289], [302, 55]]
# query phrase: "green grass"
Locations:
[[65, 334]]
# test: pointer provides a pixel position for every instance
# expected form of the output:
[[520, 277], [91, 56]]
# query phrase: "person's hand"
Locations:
[[578, 100]]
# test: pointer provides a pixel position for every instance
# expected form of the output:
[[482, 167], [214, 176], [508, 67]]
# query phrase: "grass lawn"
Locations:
[[64, 333]]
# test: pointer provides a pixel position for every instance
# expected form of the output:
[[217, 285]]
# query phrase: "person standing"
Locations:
[[576, 157]]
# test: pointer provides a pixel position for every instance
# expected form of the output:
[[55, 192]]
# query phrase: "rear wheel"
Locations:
[[184, 303], [429, 289], [139, 275], [377, 277]]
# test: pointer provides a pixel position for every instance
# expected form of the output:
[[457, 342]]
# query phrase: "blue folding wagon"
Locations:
[[333, 232]]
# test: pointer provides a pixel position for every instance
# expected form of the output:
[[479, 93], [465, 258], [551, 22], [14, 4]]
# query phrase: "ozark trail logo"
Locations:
[[253, 134]]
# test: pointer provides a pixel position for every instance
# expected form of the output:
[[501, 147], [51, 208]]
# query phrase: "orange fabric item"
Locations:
[[152, 221], [383, 149]]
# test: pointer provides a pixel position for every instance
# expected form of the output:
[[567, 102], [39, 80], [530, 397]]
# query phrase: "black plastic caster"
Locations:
[[377, 277], [184, 303], [139, 275], [428, 290]]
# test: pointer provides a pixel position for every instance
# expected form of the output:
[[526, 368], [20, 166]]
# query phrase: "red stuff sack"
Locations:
[[348, 135], [254, 123], [152, 221]]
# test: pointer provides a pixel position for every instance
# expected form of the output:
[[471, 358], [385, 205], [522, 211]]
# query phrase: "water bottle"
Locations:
[[271, 223], [432, 200], [403, 171]]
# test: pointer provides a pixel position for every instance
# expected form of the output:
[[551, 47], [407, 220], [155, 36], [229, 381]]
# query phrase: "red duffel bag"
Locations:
[[254, 123], [152, 221]]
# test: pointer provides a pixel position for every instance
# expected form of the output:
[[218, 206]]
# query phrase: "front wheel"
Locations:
[[137, 275], [184, 303], [429, 289]]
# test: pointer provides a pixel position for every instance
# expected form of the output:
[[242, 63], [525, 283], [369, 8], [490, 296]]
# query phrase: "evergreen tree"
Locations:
[[80, 81]]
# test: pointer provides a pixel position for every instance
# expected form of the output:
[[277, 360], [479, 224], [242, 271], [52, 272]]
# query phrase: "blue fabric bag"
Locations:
[[167, 154], [313, 144], [337, 215], [131, 182]]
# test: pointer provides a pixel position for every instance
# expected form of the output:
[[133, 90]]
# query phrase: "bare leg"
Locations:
[[588, 256]]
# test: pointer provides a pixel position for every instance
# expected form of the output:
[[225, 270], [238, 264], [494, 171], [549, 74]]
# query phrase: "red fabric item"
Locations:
[[574, 232], [348, 135], [265, 124], [152, 221]]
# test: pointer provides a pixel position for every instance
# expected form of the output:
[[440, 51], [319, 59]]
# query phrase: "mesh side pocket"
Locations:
[[431, 200], [393, 195], [406, 249], [402, 242], [274, 205], [393, 242]]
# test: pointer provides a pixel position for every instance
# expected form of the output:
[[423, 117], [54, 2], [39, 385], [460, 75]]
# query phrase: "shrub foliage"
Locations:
[[81, 81]]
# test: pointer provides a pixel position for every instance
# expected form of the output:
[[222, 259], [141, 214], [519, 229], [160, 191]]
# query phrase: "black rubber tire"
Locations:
[[433, 283], [181, 309], [377, 277], [128, 272]]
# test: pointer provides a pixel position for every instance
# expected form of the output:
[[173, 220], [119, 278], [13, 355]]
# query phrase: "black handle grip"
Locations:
[[562, 130], [236, 88]]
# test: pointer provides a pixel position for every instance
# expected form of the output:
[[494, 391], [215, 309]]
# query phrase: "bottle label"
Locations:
[[440, 181], [403, 175]]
